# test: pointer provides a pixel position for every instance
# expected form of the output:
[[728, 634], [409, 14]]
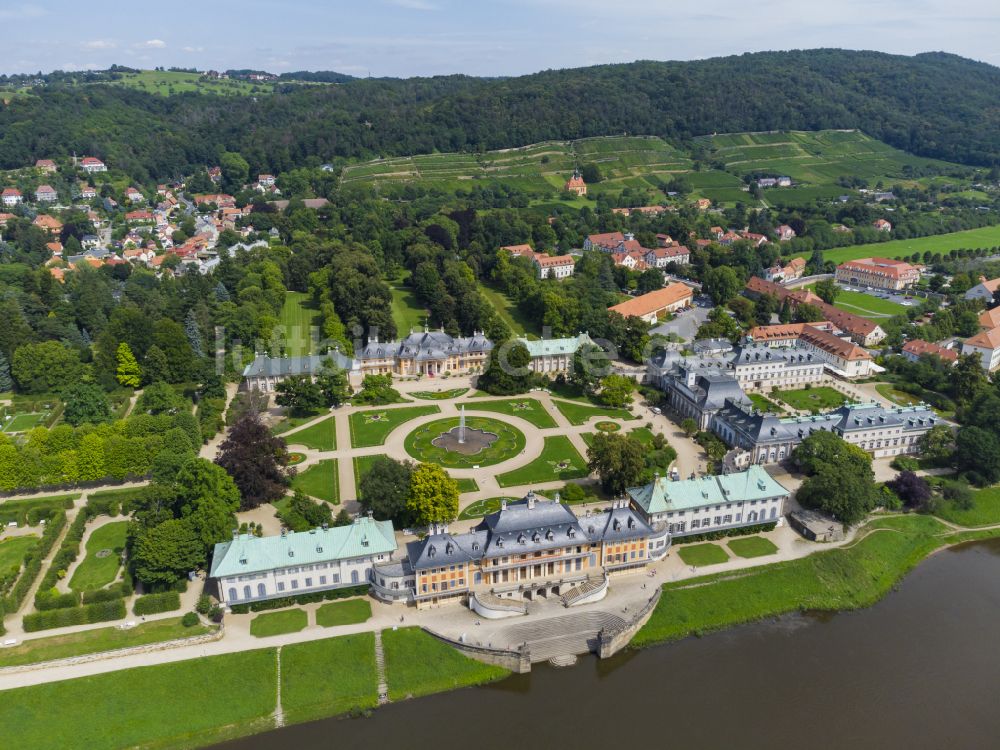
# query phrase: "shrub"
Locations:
[[119, 590], [190, 619], [216, 614], [52, 599], [204, 605], [905, 463], [154, 603], [88, 613], [290, 601], [711, 536]]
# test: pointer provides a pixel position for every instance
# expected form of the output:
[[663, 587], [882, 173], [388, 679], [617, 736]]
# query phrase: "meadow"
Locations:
[[984, 237]]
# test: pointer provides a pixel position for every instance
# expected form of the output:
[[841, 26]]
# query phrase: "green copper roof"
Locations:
[[550, 347], [250, 554], [663, 495]]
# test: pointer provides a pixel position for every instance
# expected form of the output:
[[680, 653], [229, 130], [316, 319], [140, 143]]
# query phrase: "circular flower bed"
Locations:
[[607, 426], [509, 442], [296, 458]]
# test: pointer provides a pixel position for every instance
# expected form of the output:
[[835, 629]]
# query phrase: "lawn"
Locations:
[[361, 466], [439, 395], [288, 422], [643, 434], [23, 422], [346, 612], [836, 579], [407, 312], [579, 413], [559, 460], [418, 664], [12, 551], [321, 436], [509, 443], [526, 408], [467, 484], [278, 623], [764, 404], [817, 398], [985, 510], [298, 318], [867, 305], [519, 323], [896, 396], [372, 426], [702, 554], [328, 677], [186, 704], [752, 546], [97, 641], [481, 508], [96, 571], [940, 243], [321, 481]]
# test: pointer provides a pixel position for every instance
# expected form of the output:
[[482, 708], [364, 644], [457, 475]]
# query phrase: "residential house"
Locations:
[[878, 273], [215, 174], [142, 216], [914, 349], [661, 257], [986, 346], [985, 290], [11, 196], [703, 204], [785, 233], [608, 242], [46, 194], [554, 266], [987, 319], [132, 195], [50, 224], [656, 304], [92, 164], [882, 225], [87, 192], [266, 180], [46, 165]]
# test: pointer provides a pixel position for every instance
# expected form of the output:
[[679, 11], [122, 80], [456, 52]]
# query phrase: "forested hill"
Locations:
[[935, 105]]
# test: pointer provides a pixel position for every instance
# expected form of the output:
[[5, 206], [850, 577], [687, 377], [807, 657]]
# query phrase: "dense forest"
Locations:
[[936, 105]]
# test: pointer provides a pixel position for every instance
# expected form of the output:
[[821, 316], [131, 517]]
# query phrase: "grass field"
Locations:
[[97, 640], [321, 436], [287, 422], [407, 312], [896, 396], [579, 413], [371, 427], [518, 322], [480, 508], [328, 677], [321, 481], [867, 305], [24, 422], [439, 395], [167, 82], [984, 512], [361, 466], [418, 664], [298, 318], [509, 442], [12, 551], [940, 243], [278, 623], [701, 554], [467, 484], [837, 579], [817, 398], [559, 460], [526, 408], [181, 705], [751, 546], [764, 404], [346, 612], [97, 572]]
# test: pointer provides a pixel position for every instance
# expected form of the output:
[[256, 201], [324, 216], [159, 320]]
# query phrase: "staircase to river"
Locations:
[[557, 637]]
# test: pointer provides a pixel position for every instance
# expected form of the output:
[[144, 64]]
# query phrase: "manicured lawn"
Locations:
[[867, 305], [96, 641], [764, 404], [23, 422], [372, 426], [509, 442], [817, 398], [848, 578], [702, 554], [439, 395], [984, 512], [328, 677], [321, 481], [526, 408], [278, 623], [418, 664], [941, 243], [896, 396], [407, 312], [481, 508], [751, 546], [580, 413], [343, 613], [185, 704], [361, 466], [12, 551], [519, 323], [298, 316], [321, 436], [559, 460], [287, 422], [97, 572], [467, 484]]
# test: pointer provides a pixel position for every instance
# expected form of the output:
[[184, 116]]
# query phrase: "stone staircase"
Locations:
[[557, 637], [383, 686], [575, 595]]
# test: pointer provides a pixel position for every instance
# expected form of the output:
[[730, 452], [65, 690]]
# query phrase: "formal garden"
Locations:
[[485, 442], [559, 460], [812, 398], [370, 428]]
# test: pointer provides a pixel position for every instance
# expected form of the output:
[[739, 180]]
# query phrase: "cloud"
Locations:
[[192, 49], [414, 5], [98, 44], [152, 44]]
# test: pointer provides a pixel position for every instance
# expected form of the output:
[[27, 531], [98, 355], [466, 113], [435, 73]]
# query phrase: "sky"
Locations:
[[499, 37]]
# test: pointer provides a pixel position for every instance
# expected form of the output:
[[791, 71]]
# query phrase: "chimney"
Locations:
[[531, 500]]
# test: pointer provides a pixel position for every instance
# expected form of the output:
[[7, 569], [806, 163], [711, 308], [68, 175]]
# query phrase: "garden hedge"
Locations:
[[711, 536], [291, 601], [88, 613], [33, 561], [151, 604]]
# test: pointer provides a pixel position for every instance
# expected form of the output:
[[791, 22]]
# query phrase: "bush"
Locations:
[[291, 601], [119, 590], [204, 605], [216, 613], [190, 619], [52, 599], [151, 604], [711, 536], [104, 506], [905, 463], [88, 613]]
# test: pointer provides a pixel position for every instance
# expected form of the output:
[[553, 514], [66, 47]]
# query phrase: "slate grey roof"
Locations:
[[424, 345], [265, 366]]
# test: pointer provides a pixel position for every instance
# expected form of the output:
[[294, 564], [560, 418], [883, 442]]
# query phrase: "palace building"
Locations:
[[554, 355], [426, 353], [265, 372]]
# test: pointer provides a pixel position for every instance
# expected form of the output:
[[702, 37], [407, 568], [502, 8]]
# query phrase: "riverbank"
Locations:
[[839, 579]]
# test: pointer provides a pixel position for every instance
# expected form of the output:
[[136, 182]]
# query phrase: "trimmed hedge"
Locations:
[[291, 601], [47, 596], [33, 561], [88, 613], [53, 599], [120, 590], [711, 536], [151, 604], [29, 512], [104, 506]]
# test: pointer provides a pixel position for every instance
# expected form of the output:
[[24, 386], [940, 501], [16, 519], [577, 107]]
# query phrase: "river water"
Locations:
[[921, 669]]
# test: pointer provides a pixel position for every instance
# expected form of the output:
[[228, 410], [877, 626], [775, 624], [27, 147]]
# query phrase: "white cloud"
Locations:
[[99, 44], [152, 44]]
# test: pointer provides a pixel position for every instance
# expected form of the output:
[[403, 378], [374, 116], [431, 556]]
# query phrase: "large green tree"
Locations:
[[507, 372], [432, 496], [617, 459], [85, 402], [45, 367], [384, 490], [128, 373], [165, 553]]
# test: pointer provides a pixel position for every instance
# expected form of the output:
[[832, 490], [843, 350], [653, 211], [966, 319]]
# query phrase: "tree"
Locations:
[[6, 381], [937, 443], [822, 449], [235, 171], [977, 452], [649, 281], [332, 383], [617, 459], [689, 426], [634, 338], [377, 389], [163, 554], [155, 368], [591, 174], [299, 394], [384, 490], [722, 284], [914, 491], [845, 495], [85, 402], [507, 372], [302, 513], [967, 377], [432, 497], [170, 337], [128, 373], [193, 334], [343, 518], [616, 390], [590, 364], [827, 290], [256, 460], [47, 366]]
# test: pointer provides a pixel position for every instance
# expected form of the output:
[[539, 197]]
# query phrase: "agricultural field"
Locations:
[[168, 82], [298, 318], [984, 237]]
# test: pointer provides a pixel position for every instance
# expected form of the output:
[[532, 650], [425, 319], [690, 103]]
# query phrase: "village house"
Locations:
[[882, 225], [985, 290], [46, 194], [50, 224], [215, 174], [878, 273], [11, 197], [134, 196], [554, 266], [988, 319], [784, 233], [986, 346], [575, 184], [46, 165], [266, 180], [87, 192], [92, 164], [703, 204], [790, 272], [656, 304], [663, 256], [914, 349]]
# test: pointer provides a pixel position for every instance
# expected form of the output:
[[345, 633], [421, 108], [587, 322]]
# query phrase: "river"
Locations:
[[921, 669]]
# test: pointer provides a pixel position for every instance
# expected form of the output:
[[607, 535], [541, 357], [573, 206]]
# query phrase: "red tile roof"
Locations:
[[916, 347], [659, 299]]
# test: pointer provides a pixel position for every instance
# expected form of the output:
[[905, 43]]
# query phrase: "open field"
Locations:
[[987, 237], [320, 481], [898, 397], [346, 612], [328, 677], [418, 664], [97, 640], [278, 623], [480, 508], [361, 466], [24, 422], [985, 510], [866, 305], [526, 408], [407, 312], [751, 546], [97, 572], [186, 704], [298, 318], [518, 322], [699, 555], [579, 413], [12, 551], [372, 426], [167, 82], [819, 398], [321, 436], [558, 460]]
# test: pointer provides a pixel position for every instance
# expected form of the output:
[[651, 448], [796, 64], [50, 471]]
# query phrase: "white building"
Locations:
[[554, 355], [11, 197], [251, 568], [986, 346], [984, 290], [554, 266], [92, 164]]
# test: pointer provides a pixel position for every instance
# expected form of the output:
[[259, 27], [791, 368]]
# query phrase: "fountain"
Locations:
[[465, 440], [461, 426]]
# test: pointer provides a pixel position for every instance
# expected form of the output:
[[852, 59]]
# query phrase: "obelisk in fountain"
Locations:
[[461, 426]]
